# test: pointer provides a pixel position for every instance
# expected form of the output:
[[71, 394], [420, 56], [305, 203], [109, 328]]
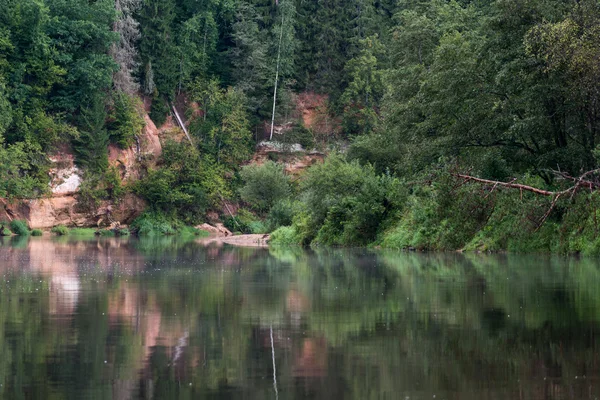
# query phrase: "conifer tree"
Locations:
[[363, 93], [92, 144], [124, 51], [250, 58], [157, 46]]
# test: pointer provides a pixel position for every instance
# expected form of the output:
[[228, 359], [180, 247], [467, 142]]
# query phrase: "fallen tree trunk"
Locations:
[[579, 182], [507, 184]]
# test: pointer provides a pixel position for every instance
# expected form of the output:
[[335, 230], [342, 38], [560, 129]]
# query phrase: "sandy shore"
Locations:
[[239, 240]]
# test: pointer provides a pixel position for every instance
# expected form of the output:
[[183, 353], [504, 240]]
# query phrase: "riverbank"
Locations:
[[238, 240]]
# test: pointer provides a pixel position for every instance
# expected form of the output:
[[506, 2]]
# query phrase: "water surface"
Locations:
[[172, 319]]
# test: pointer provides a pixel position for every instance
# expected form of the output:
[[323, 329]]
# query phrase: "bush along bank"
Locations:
[[148, 224], [343, 203]]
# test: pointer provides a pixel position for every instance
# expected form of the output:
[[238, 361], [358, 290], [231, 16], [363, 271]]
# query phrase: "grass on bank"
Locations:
[[156, 224], [148, 224], [18, 228], [83, 233]]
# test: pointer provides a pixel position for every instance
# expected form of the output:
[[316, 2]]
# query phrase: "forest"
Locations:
[[461, 124]]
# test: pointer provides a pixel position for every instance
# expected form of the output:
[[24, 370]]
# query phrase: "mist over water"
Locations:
[[173, 319]]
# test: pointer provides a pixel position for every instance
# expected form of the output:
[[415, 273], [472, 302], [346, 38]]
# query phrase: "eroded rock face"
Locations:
[[50, 212], [295, 161], [313, 110], [218, 230], [148, 146], [65, 177]]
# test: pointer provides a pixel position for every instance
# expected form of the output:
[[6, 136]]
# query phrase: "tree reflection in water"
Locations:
[[165, 318]]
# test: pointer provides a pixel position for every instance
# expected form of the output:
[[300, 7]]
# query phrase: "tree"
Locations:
[[124, 51], [92, 144], [344, 202], [5, 110], [569, 49], [157, 47], [126, 120], [207, 94], [285, 47], [197, 46], [264, 185], [361, 97], [81, 32], [224, 129], [250, 58]]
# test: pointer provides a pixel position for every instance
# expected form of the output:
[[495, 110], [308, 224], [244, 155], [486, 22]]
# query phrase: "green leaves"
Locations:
[[264, 185], [92, 144], [224, 128], [185, 185], [126, 118], [15, 179], [361, 97], [344, 202]]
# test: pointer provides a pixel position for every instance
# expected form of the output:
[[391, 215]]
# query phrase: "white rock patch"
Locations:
[[70, 180]]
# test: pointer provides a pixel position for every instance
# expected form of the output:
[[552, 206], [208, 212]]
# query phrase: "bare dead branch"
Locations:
[[511, 185], [579, 182]]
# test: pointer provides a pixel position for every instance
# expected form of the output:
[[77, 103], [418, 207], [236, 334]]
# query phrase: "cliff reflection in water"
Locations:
[[165, 318]]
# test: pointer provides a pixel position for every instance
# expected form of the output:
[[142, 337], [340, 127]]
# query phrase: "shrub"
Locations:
[[123, 232], [152, 224], [257, 227], [126, 120], [285, 235], [4, 231], [98, 187], [37, 232], [19, 227], [16, 159], [298, 134], [82, 232], [185, 185], [106, 233], [281, 214], [344, 202], [264, 185], [244, 222], [60, 230]]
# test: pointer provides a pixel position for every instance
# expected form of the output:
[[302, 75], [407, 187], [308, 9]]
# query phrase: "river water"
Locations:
[[175, 319]]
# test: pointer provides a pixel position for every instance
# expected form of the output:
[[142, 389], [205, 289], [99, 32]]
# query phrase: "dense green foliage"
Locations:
[[499, 89], [157, 224], [185, 185], [414, 89], [126, 120], [264, 185], [60, 230], [19, 227]]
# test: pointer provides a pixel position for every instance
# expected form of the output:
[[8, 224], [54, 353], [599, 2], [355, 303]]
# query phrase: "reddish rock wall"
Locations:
[[46, 213]]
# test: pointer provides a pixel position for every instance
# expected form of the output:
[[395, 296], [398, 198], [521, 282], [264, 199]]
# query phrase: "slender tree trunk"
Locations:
[[277, 77]]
